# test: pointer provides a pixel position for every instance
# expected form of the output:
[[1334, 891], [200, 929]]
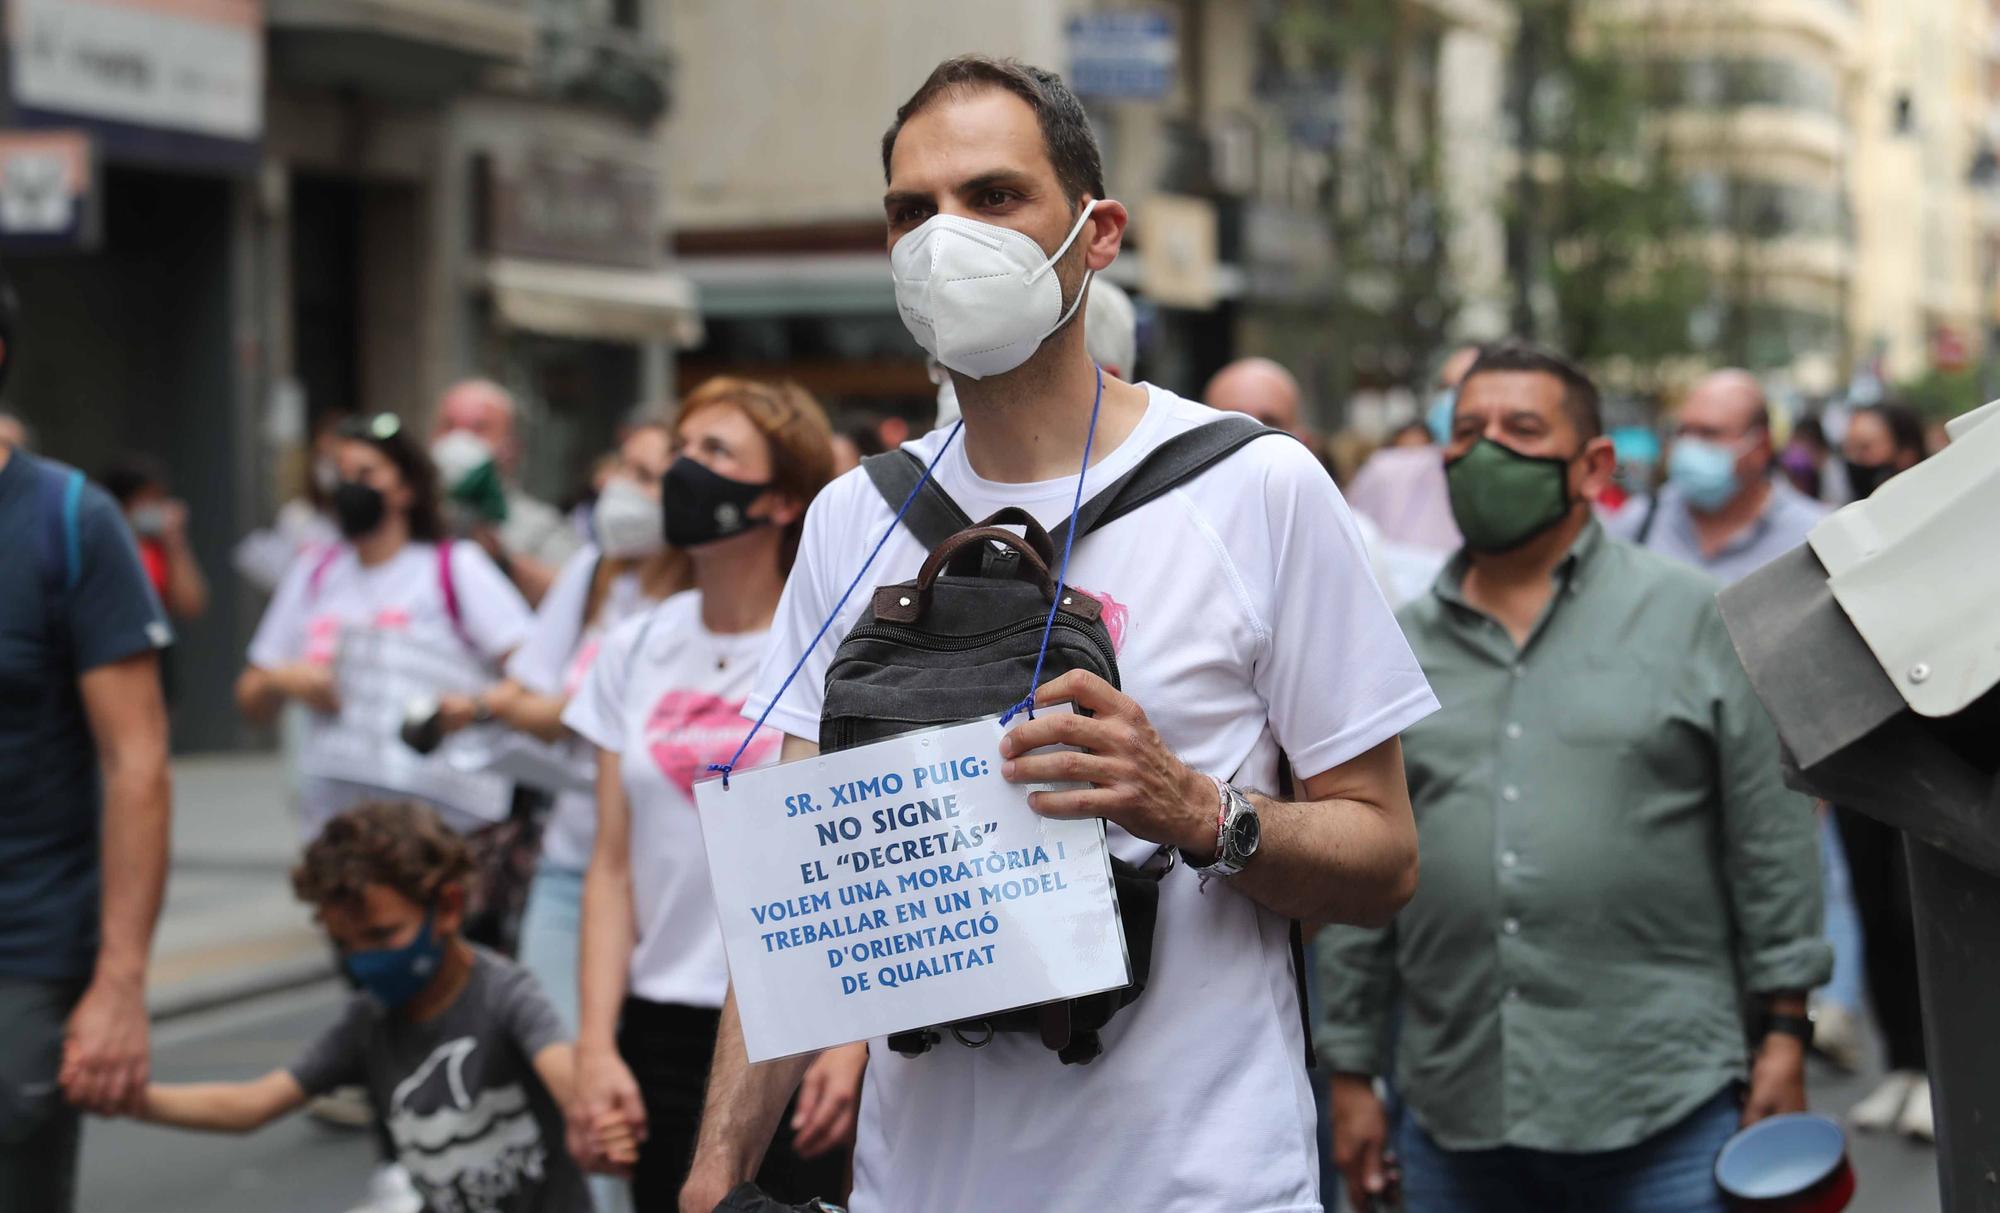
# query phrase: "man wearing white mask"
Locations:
[[526, 537], [1724, 509], [1262, 634]]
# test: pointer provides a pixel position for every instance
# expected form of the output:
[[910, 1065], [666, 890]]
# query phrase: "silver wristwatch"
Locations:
[[1237, 839]]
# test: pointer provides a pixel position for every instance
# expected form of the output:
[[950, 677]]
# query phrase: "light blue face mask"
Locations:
[[1703, 471], [1438, 416]]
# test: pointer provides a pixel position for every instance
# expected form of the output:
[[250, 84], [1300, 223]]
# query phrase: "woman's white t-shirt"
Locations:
[[1246, 621], [330, 591], [666, 695], [554, 660]]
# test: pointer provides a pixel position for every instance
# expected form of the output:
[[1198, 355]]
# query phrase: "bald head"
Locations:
[[1729, 400], [1258, 387], [484, 409]]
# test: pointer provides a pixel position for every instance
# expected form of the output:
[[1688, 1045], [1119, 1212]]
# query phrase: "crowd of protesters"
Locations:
[[496, 719]]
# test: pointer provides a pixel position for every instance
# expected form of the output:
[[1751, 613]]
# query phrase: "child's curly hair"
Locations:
[[396, 843]]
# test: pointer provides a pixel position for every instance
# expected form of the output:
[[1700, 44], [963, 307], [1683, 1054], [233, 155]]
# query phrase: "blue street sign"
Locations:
[[1125, 55]]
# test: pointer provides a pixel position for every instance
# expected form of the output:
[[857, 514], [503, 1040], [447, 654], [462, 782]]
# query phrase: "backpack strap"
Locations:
[[1165, 468], [58, 543], [449, 588], [1645, 531], [59, 537], [322, 562], [933, 516]]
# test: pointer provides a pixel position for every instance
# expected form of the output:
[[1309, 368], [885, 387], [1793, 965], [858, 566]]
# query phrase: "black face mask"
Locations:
[[357, 508], [1865, 478], [703, 506]]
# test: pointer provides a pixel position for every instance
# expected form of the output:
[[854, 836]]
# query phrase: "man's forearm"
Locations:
[[744, 1105], [138, 795], [1329, 861]]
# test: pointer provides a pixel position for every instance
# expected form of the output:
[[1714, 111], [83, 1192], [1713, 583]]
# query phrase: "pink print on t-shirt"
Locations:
[[1115, 613], [689, 730]]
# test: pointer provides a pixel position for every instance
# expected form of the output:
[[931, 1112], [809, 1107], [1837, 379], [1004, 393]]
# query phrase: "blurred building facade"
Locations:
[[1920, 122], [229, 218], [1222, 159], [1756, 98]]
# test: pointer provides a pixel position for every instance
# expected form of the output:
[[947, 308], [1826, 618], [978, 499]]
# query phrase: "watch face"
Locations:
[[1244, 832]]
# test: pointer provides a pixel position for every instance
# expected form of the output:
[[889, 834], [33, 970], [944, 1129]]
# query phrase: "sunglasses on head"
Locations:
[[379, 428]]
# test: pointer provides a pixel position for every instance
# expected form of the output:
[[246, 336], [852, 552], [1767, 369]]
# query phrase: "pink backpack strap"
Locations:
[[449, 587], [321, 563]]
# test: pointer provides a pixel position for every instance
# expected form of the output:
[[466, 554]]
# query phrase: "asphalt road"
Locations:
[[300, 1166]]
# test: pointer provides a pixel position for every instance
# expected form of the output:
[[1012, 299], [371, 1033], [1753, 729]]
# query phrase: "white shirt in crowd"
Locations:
[[1265, 630], [554, 660], [666, 695], [320, 597]]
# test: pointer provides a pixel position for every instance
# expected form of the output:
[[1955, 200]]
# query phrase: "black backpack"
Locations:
[[961, 641]]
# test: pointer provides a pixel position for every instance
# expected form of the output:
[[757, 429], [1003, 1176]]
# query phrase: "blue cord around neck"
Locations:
[[1062, 575], [1048, 625]]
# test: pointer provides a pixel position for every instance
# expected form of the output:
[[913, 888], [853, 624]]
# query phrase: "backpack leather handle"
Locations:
[[1014, 515], [1032, 569]]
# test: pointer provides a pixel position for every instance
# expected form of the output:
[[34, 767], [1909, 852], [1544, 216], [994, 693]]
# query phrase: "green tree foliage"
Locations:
[[1598, 220], [1384, 199]]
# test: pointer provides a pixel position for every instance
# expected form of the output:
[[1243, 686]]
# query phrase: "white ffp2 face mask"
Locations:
[[628, 521], [980, 298]]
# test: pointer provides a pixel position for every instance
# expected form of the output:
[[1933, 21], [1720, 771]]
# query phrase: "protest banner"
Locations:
[[378, 674], [901, 885]]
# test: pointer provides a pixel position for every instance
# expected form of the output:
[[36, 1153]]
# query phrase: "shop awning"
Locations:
[[595, 303]]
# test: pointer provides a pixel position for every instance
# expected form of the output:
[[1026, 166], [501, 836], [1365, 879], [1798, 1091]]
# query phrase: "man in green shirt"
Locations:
[[1613, 871]]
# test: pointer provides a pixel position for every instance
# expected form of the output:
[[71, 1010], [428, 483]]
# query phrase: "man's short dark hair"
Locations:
[[1066, 134], [1580, 398]]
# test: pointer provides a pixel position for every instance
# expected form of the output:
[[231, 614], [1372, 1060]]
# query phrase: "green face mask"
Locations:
[[1502, 498]]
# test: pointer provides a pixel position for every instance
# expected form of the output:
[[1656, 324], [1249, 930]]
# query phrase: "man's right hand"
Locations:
[[1360, 1140], [605, 1096]]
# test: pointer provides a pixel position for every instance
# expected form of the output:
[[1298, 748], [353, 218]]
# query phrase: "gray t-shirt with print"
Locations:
[[470, 1118]]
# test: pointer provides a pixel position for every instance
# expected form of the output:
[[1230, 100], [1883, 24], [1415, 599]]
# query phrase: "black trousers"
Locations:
[[1880, 876], [668, 1049]]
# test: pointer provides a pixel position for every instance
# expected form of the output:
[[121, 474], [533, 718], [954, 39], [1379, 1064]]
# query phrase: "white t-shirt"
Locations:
[[554, 660], [666, 695], [320, 597], [1246, 619]]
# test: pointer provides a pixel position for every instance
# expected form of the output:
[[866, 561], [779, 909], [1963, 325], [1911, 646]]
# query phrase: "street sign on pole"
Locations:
[[1125, 55]]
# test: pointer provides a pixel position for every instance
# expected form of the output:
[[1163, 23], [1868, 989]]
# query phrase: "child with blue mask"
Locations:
[[452, 1042]]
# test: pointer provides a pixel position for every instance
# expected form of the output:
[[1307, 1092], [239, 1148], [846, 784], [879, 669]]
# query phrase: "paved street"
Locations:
[[231, 925]]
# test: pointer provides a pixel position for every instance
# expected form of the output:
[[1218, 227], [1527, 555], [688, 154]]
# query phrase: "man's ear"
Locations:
[[1104, 234], [1599, 462]]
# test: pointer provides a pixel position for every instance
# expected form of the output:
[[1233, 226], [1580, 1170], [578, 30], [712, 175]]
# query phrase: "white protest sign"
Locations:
[[901, 885], [377, 673]]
